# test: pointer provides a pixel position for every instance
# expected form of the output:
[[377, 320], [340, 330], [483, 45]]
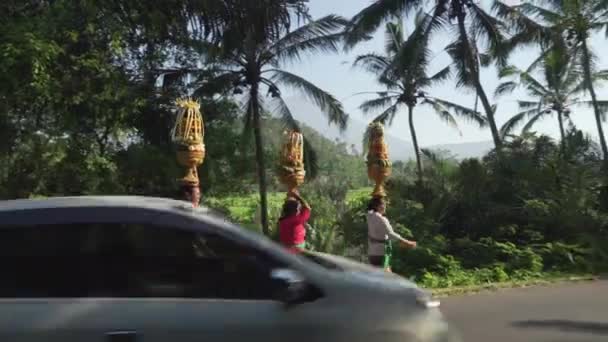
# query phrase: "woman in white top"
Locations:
[[380, 233]]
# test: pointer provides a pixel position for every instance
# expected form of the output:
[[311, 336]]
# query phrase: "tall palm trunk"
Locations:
[[596, 109], [560, 120], [259, 155], [474, 69], [410, 117]]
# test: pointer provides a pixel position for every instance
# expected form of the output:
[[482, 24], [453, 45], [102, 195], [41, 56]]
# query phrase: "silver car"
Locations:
[[149, 269]]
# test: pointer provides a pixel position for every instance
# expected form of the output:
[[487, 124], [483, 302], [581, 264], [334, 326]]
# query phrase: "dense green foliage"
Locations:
[[86, 92]]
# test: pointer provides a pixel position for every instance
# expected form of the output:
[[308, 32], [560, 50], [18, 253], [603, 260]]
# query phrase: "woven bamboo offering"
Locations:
[[291, 169], [378, 164], [188, 134]]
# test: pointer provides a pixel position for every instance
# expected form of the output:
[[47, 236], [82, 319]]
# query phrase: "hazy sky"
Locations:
[[335, 74]]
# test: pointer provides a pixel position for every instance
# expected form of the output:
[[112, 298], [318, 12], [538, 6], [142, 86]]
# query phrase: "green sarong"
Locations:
[[388, 252]]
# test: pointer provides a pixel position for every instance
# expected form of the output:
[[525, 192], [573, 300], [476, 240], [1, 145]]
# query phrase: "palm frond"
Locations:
[[516, 120], [526, 31], [457, 50], [602, 106], [443, 113], [393, 37], [505, 88], [486, 27], [414, 54], [600, 7], [388, 115], [294, 53], [581, 86], [378, 103], [324, 26], [440, 77], [533, 121], [311, 161], [322, 35], [370, 18], [601, 75], [219, 84], [372, 62], [592, 64], [461, 111], [538, 61], [534, 87], [525, 105], [571, 76], [509, 71], [485, 59], [328, 103], [547, 15]]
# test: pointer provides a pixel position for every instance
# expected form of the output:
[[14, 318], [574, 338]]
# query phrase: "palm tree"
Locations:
[[556, 94], [538, 22], [466, 18], [406, 81], [255, 63]]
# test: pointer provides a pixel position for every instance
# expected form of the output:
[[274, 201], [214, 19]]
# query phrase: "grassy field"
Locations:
[[243, 209]]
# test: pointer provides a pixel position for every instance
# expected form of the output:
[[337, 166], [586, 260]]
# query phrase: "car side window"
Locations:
[[129, 260]]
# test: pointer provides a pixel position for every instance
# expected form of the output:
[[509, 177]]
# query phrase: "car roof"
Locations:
[[139, 202], [157, 203], [150, 203]]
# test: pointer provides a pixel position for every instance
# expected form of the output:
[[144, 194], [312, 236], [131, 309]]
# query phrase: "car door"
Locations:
[[45, 284], [198, 286], [225, 290]]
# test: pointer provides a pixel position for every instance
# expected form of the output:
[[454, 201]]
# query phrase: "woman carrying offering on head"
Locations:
[[292, 230], [380, 235]]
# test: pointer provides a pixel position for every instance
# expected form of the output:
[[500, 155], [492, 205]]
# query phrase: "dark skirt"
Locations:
[[376, 260], [383, 261]]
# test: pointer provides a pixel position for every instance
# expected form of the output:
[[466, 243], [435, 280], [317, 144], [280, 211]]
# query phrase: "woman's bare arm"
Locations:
[[297, 196], [395, 236]]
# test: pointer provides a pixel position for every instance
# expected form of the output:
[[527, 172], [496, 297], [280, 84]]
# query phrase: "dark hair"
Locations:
[[375, 203], [290, 208]]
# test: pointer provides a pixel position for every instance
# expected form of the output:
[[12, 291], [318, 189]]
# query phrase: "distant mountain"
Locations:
[[466, 150], [399, 149]]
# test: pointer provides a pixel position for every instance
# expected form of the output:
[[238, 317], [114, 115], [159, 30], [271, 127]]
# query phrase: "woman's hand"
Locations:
[[295, 194], [408, 244]]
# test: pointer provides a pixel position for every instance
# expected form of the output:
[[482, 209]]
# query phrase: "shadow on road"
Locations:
[[565, 325]]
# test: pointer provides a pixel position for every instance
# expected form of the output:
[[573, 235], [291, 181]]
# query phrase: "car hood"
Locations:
[[359, 270]]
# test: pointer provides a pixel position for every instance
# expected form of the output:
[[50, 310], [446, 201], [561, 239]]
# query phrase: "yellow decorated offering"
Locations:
[[378, 163], [188, 134], [291, 161]]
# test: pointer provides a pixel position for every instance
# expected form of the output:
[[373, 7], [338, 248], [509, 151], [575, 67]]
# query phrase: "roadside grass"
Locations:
[[549, 279]]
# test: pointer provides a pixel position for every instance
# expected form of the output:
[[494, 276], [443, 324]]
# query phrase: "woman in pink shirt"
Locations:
[[292, 230]]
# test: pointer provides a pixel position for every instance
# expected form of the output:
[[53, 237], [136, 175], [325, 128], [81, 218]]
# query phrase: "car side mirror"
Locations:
[[293, 287]]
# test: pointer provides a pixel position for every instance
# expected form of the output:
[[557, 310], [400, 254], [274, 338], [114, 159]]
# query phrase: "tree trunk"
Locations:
[[473, 66], [596, 109], [415, 142], [560, 119], [259, 156]]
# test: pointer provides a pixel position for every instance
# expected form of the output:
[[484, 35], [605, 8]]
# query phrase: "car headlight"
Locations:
[[425, 300]]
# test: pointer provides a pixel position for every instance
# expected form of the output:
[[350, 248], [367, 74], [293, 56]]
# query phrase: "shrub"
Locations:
[[527, 260]]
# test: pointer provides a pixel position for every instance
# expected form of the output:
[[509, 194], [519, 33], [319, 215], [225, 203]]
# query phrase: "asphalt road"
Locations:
[[574, 312]]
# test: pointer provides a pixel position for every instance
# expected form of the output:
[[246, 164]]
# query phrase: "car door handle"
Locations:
[[121, 336]]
